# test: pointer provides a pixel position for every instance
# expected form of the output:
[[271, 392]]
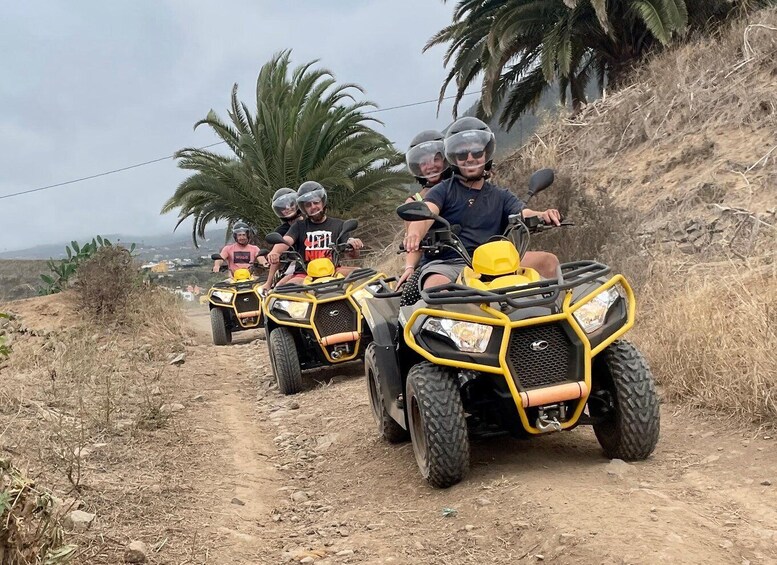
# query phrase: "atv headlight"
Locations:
[[467, 336], [297, 310], [592, 314], [223, 295], [363, 293]]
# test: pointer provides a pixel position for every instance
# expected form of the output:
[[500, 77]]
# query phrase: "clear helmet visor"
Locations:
[[470, 149], [312, 196], [427, 160], [285, 206]]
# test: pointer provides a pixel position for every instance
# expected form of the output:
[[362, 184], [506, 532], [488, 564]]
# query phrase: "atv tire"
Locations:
[[437, 424], [218, 327], [388, 428], [411, 290], [284, 361], [631, 431]]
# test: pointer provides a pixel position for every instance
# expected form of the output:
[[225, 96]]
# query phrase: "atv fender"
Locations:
[[381, 317]]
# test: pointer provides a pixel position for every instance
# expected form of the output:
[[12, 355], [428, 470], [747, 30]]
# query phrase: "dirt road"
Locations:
[[313, 481]]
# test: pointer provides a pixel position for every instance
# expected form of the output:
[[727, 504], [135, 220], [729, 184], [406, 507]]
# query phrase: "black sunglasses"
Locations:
[[462, 155]]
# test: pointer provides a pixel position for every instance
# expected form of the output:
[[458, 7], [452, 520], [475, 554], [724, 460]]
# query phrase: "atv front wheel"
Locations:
[[437, 424], [284, 361], [388, 428], [218, 327], [624, 399]]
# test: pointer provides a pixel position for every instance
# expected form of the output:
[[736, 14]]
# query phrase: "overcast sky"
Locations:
[[89, 86]]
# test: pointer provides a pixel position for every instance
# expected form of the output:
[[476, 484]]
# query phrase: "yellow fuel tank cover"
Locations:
[[241, 275], [496, 258], [322, 267]]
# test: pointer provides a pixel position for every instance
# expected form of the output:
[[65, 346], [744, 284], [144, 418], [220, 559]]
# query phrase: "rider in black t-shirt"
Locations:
[[479, 207], [312, 236]]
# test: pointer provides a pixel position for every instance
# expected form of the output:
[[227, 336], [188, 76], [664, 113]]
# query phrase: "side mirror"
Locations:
[[348, 227], [540, 180], [274, 238], [417, 211], [414, 211], [263, 252], [216, 257]]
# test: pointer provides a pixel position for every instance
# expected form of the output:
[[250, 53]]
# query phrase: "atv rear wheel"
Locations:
[[388, 428], [625, 394], [284, 361], [411, 290], [437, 424], [218, 327]]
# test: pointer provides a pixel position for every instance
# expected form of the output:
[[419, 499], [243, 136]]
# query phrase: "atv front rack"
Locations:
[[329, 286], [544, 292], [242, 285]]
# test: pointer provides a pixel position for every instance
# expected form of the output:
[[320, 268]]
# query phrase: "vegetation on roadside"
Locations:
[[62, 271], [31, 529]]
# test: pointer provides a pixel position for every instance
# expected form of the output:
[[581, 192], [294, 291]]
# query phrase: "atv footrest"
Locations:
[[342, 337]]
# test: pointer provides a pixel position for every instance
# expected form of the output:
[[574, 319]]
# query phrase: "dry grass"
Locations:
[[712, 339], [31, 522], [68, 394]]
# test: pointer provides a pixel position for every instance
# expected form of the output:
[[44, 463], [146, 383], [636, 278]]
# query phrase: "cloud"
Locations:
[[94, 86]]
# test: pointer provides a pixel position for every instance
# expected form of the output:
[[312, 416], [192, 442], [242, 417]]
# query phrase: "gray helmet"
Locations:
[[284, 203], [240, 227], [468, 138], [310, 191], [424, 151]]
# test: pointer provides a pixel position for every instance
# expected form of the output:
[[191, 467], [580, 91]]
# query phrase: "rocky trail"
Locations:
[[306, 479]]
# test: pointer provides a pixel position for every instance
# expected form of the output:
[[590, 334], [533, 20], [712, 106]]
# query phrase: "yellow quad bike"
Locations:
[[319, 321], [235, 305], [503, 350]]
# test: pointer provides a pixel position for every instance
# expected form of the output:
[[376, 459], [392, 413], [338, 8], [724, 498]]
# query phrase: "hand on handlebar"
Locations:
[[355, 243], [551, 217], [411, 243], [273, 258]]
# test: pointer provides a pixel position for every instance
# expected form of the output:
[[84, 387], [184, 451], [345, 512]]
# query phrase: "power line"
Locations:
[[135, 166], [152, 161]]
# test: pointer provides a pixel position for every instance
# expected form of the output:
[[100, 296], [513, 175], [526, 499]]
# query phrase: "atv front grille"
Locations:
[[541, 356], [335, 317], [246, 302]]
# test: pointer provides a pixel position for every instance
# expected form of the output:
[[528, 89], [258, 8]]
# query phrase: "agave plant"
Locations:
[[305, 126], [518, 48]]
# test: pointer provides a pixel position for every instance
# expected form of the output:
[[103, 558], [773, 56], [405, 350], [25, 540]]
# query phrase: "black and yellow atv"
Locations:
[[317, 322], [503, 350], [235, 305]]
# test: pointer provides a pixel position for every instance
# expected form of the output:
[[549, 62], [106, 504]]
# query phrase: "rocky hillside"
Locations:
[[674, 180]]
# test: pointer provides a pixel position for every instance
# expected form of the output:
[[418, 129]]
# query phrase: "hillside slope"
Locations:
[[674, 180]]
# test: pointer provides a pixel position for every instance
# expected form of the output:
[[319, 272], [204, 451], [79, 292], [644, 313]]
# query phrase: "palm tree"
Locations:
[[518, 48], [305, 127]]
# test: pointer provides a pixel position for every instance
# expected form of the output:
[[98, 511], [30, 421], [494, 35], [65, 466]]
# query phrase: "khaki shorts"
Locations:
[[450, 269]]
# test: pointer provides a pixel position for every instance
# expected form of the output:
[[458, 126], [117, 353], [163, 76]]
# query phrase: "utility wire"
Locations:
[[144, 163]]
